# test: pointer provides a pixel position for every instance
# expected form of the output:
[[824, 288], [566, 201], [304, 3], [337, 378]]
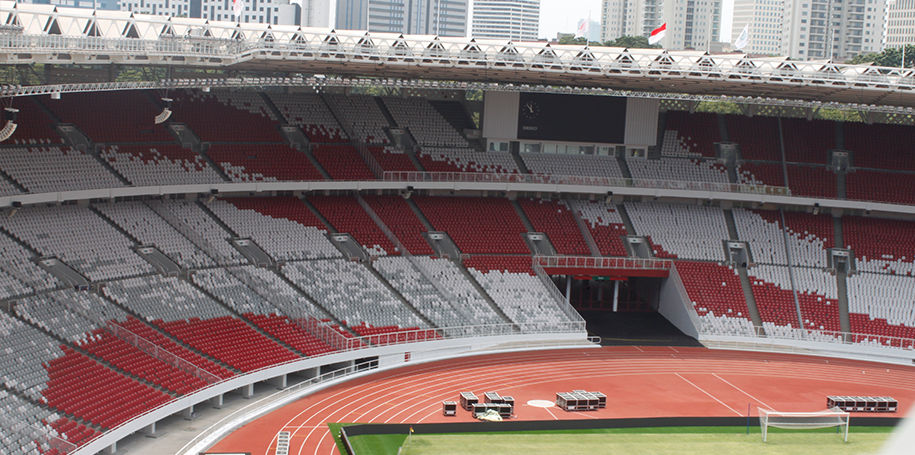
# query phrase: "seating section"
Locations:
[[346, 215], [421, 293], [425, 123], [365, 116], [881, 245], [245, 101], [812, 181], [207, 234], [556, 220], [772, 291], [150, 229], [881, 304], [80, 238], [263, 163], [574, 165], [677, 169], [30, 430], [477, 225], [310, 113], [392, 159], [396, 214], [92, 113], [355, 296], [160, 165], [7, 188], [183, 311], [441, 159], [236, 294], [23, 352], [458, 287], [33, 127], [278, 226], [758, 137], [770, 174], [18, 274], [50, 169], [881, 186], [717, 295], [880, 146], [342, 162], [809, 236], [690, 135], [808, 141], [682, 231], [605, 224], [511, 283], [238, 121], [170, 345]]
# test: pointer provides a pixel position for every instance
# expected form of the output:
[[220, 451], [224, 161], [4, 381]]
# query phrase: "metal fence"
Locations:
[[602, 262], [155, 351]]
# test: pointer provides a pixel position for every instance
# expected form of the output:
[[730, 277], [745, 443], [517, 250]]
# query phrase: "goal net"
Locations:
[[802, 420]]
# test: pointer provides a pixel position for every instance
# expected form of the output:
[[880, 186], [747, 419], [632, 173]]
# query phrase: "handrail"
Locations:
[[557, 296], [37, 433], [160, 353], [554, 179], [610, 263]]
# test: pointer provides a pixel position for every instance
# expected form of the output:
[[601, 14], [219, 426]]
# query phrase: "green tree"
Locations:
[[632, 42], [891, 57], [861, 59], [580, 41]]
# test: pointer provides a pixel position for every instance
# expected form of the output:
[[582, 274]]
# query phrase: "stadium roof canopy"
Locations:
[[34, 33]]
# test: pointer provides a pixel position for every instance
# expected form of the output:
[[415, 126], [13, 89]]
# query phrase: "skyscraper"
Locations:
[[766, 22], [691, 24], [900, 25], [414, 17], [516, 20], [832, 29]]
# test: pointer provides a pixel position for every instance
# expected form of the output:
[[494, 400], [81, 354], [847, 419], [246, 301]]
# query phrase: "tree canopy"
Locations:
[[631, 42], [891, 57]]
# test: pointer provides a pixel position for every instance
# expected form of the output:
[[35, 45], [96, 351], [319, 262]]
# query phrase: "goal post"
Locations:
[[834, 417]]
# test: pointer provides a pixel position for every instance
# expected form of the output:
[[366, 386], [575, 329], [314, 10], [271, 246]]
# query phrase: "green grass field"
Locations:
[[661, 441]]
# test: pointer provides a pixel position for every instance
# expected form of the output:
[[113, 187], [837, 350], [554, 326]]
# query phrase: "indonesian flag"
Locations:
[[238, 7], [658, 34], [583, 27]]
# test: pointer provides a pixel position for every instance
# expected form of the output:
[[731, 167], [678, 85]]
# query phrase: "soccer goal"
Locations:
[[802, 420]]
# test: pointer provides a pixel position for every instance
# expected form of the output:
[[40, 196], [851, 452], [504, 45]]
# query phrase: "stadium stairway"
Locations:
[[420, 215], [476, 285], [212, 164], [621, 209], [456, 115], [91, 151], [279, 115], [317, 304], [520, 162], [317, 213], [742, 273], [6, 177], [241, 317], [624, 167], [400, 296], [841, 277], [524, 219]]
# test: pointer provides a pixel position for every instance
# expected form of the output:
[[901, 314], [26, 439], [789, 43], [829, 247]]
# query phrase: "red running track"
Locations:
[[638, 381]]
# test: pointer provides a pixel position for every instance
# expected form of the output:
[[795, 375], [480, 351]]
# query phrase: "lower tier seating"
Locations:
[[717, 295], [555, 220], [605, 225]]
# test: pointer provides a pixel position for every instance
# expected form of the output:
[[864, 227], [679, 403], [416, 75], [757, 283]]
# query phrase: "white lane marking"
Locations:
[[712, 396]]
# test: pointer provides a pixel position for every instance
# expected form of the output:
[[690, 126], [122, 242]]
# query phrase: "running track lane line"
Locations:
[[742, 391], [713, 397]]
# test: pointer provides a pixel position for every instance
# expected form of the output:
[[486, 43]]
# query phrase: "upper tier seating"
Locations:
[[808, 235], [246, 301], [575, 165], [770, 174], [33, 126], [511, 283], [160, 165], [20, 274], [245, 101], [605, 224], [342, 162], [53, 169], [421, 293], [113, 117], [392, 159], [396, 214], [363, 113], [808, 141], [278, 226], [880, 145], [683, 231], [477, 225], [690, 135], [555, 220], [207, 234], [263, 163], [310, 113], [758, 137], [882, 304], [426, 125], [191, 316], [150, 229], [352, 294], [881, 186], [812, 181], [80, 238], [346, 215], [881, 245], [237, 122], [465, 295], [716, 294], [466, 160], [677, 169], [49, 313]]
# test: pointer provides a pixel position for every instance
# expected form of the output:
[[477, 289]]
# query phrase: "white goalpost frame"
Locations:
[[833, 417]]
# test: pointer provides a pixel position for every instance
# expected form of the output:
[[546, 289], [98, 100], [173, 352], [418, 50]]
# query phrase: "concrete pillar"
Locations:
[[189, 413], [247, 391], [616, 295], [113, 448], [216, 401], [568, 288], [279, 381]]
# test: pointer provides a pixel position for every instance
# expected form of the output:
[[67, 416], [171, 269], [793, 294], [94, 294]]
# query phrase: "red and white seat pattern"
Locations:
[[160, 165], [606, 225], [717, 295]]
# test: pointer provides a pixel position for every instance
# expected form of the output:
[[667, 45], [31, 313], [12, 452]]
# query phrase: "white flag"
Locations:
[[583, 27], [744, 37], [238, 7]]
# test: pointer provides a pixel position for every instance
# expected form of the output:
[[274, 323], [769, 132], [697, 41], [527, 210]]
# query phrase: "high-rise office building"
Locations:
[[691, 24], [414, 17], [832, 29], [900, 23], [765, 19], [276, 12], [516, 20]]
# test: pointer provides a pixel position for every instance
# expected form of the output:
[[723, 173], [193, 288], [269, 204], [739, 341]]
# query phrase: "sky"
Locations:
[[563, 16]]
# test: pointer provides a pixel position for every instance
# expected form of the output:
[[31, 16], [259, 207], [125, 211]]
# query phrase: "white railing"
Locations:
[[38, 433], [607, 263], [162, 354], [832, 337], [561, 302], [553, 179]]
